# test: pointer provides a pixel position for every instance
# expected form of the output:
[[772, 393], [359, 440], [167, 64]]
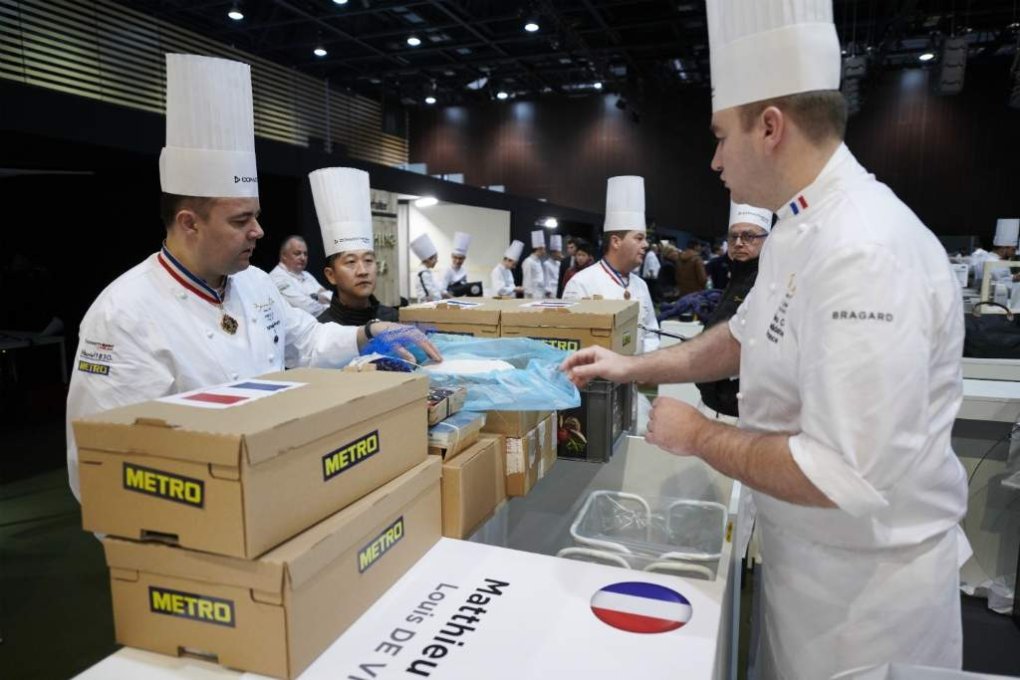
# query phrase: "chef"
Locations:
[[615, 276], [552, 265], [457, 275], [1007, 232], [848, 350], [426, 289], [501, 279], [343, 206], [195, 313], [297, 286], [533, 269]]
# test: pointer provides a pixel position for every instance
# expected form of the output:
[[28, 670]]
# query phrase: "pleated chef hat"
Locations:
[[461, 243], [625, 204], [538, 239], [210, 129], [343, 206], [743, 213], [423, 248], [770, 48], [555, 242], [514, 251], [1006, 231]]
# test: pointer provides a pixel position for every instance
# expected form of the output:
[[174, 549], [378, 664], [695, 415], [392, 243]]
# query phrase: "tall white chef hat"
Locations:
[[422, 247], [343, 206], [741, 213], [555, 242], [770, 48], [538, 239], [514, 251], [1007, 231], [625, 204], [461, 243], [210, 129]]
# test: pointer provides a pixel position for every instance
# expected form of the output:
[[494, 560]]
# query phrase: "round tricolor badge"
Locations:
[[639, 607]]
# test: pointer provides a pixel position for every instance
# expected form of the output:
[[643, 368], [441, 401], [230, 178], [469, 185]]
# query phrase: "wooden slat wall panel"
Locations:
[[111, 53]]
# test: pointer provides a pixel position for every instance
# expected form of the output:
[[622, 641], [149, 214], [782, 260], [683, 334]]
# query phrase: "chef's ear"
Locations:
[[772, 127]]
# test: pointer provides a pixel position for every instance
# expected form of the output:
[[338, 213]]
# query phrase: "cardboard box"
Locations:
[[499, 442], [276, 614], [444, 402], [478, 317], [573, 324], [522, 455], [513, 423], [469, 488], [456, 433], [549, 428], [247, 468]]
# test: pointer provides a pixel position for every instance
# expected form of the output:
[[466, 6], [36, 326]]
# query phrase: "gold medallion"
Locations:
[[626, 295], [228, 323]]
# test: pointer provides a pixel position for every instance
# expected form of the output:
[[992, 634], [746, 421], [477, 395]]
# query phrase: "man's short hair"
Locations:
[[821, 114], [607, 238], [582, 246], [286, 242], [171, 204]]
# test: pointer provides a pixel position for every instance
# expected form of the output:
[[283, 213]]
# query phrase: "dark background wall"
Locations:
[[952, 159]]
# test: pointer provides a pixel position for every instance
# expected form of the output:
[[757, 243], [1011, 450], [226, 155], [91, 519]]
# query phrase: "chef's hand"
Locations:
[[399, 337], [675, 426], [596, 362]]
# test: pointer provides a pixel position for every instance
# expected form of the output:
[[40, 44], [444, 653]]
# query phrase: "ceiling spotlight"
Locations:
[[550, 223], [339, 2], [430, 100], [414, 41], [426, 202], [320, 51], [235, 14], [501, 95], [531, 27], [927, 56], [597, 86]]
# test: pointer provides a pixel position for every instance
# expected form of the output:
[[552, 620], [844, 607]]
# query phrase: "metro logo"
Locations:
[[349, 455], [559, 343], [191, 606], [165, 485], [372, 552]]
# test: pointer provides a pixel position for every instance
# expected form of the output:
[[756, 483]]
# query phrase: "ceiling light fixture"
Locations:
[[430, 100], [339, 2], [414, 41], [550, 223], [235, 14], [320, 51], [426, 202], [597, 86], [927, 56], [501, 95], [531, 27]]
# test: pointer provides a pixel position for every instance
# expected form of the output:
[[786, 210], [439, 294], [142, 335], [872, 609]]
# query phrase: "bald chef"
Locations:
[[195, 313], [848, 349]]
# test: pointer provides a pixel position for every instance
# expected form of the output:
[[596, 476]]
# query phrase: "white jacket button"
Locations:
[[740, 395], [752, 342], [209, 334]]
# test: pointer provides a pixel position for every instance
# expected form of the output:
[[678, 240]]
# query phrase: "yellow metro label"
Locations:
[[191, 606], [349, 455], [89, 367], [561, 344], [378, 547], [165, 485]]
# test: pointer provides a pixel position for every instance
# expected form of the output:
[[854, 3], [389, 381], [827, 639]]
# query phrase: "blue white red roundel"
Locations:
[[639, 607]]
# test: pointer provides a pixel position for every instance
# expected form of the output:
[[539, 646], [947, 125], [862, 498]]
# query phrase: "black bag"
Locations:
[[466, 289], [991, 336]]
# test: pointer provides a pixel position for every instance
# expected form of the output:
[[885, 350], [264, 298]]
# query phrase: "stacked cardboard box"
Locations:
[[252, 522], [478, 317]]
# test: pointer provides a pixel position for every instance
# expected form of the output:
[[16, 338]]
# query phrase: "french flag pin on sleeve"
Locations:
[[639, 607]]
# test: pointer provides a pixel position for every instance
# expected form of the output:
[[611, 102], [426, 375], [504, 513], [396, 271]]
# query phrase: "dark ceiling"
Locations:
[[474, 49]]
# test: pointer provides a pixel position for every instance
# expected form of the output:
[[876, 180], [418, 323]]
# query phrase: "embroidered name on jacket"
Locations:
[[861, 315]]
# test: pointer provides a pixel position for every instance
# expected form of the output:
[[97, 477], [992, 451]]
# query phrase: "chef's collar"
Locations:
[[193, 283], [840, 162]]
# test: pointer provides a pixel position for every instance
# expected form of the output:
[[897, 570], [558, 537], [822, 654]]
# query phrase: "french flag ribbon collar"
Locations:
[[184, 277], [615, 275]]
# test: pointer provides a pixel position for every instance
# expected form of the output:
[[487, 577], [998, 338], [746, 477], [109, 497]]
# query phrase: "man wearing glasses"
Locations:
[[749, 227]]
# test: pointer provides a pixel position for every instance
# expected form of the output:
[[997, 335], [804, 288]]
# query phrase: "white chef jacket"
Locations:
[[551, 268], [502, 281], [651, 266], [425, 288], [148, 335], [453, 276], [851, 338], [598, 279], [533, 277], [301, 290]]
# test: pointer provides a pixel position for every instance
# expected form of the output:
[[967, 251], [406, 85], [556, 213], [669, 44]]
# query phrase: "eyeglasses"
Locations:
[[746, 236]]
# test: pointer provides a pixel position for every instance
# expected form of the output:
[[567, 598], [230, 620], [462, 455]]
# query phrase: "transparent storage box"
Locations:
[[683, 537]]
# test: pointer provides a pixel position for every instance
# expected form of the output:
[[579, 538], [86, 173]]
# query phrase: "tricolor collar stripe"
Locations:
[[187, 279], [614, 275], [799, 204]]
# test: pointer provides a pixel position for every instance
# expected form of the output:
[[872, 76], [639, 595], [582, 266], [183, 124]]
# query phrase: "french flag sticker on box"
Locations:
[[231, 394], [639, 607]]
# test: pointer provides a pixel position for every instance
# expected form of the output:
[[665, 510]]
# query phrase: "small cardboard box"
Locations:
[[276, 614], [513, 423], [456, 433], [478, 317], [250, 464], [469, 488], [574, 324], [500, 444], [444, 402], [549, 444], [522, 455]]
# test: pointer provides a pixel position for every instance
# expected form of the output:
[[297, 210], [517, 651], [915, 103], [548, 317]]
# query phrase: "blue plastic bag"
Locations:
[[535, 384]]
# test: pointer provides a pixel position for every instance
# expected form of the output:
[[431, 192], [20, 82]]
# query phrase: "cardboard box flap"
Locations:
[[606, 314], [338, 399], [486, 313], [308, 553], [155, 558]]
